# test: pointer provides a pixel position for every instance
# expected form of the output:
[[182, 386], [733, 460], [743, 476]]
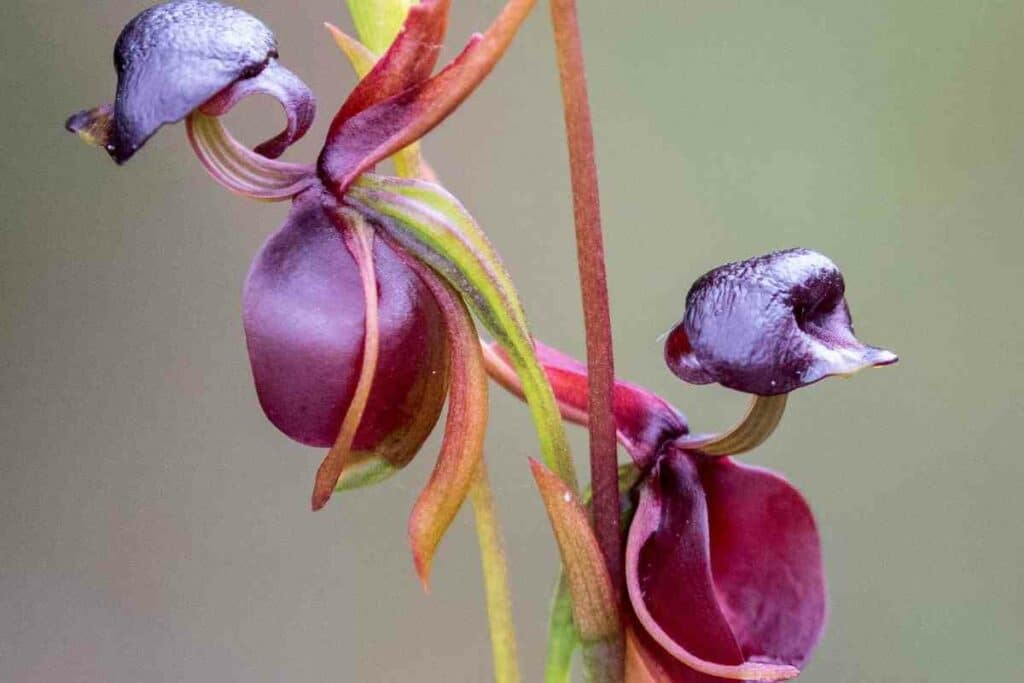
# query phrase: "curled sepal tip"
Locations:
[[295, 97], [463, 446], [255, 173], [170, 59], [769, 325], [241, 170]]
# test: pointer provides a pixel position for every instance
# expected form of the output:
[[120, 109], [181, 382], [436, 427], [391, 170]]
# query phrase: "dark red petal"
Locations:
[[355, 144], [173, 57], [645, 422], [462, 449], [303, 314], [766, 560], [768, 325], [409, 60], [295, 97], [668, 565], [671, 585]]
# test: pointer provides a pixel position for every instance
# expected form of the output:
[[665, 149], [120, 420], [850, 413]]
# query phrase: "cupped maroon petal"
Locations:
[[643, 420], [769, 325], [173, 57], [303, 313], [668, 567], [766, 561]]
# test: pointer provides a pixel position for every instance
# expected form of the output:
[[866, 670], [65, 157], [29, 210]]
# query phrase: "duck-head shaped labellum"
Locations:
[[172, 58], [769, 325]]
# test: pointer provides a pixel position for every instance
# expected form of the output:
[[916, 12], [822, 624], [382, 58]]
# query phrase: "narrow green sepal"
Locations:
[[433, 226]]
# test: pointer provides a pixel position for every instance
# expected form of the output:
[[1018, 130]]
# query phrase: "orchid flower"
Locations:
[[354, 331], [723, 561]]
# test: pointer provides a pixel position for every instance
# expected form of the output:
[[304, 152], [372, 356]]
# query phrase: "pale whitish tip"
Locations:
[[567, 497]]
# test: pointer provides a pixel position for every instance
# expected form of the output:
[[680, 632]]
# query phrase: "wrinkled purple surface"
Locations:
[[733, 570], [173, 57], [303, 313], [769, 325]]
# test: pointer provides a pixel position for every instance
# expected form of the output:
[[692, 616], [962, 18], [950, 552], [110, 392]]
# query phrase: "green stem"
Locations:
[[594, 288], [495, 569]]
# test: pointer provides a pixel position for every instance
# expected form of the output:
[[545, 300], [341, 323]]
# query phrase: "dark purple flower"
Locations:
[[769, 325], [723, 560], [173, 57], [354, 345]]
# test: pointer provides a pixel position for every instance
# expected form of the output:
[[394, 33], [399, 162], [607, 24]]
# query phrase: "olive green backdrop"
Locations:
[[154, 527]]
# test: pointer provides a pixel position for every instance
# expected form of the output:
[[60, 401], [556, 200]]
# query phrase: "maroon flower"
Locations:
[[354, 344], [723, 560]]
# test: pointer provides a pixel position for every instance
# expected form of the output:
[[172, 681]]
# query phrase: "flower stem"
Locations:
[[495, 570], [593, 285]]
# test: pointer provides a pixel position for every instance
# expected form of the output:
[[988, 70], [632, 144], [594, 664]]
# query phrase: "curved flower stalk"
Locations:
[[723, 560]]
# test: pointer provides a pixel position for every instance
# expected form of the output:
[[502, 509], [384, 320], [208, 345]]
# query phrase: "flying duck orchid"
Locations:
[[355, 332], [723, 561]]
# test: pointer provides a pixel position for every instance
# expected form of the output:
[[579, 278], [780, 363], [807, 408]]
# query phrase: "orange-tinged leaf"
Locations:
[[595, 610], [462, 448]]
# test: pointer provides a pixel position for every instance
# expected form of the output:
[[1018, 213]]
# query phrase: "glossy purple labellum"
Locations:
[[769, 325], [303, 314], [170, 59]]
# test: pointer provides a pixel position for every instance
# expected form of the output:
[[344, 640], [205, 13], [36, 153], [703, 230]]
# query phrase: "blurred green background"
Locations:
[[155, 527]]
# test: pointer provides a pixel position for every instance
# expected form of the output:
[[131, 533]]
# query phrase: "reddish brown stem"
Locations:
[[593, 284]]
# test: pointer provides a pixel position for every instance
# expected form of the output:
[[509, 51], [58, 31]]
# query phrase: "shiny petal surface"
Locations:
[[766, 561], [769, 325], [303, 313], [672, 586], [173, 57], [644, 421]]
